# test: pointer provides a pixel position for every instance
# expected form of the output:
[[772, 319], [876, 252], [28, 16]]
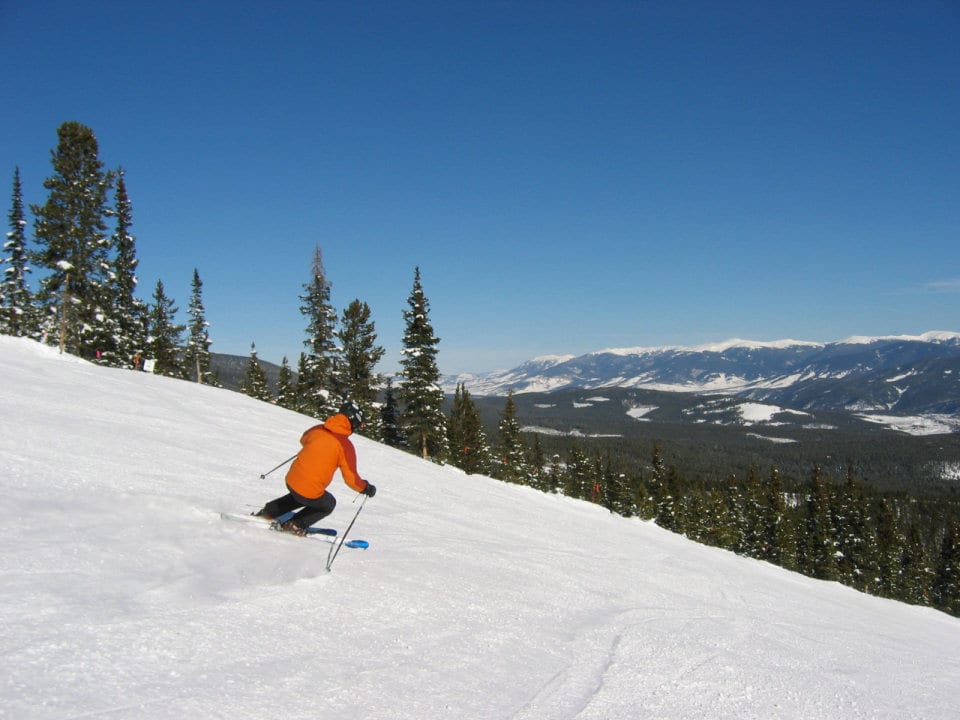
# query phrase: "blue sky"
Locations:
[[569, 176]]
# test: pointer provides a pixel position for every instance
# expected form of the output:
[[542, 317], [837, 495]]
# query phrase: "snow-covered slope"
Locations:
[[123, 594]]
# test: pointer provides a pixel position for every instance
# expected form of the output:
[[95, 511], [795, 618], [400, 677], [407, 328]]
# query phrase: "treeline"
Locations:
[[885, 544], [83, 262]]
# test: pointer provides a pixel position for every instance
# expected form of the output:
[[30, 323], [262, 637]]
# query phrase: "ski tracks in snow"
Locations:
[[635, 660], [594, 652]]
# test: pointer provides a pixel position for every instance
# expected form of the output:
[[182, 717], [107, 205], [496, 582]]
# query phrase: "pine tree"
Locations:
[[700, 527], [577, 477], [662, 490], [286, 386], [818, 558], [597, 481], [423, 419], [537, 462], [779, 535], [946, 583], [359, 357], [854, 537], [163, 342], [753, 543], [466, 438], [303, 395], [720, 523], [254, 382], [317, 375], [888, 551], [16, 309], [619, 494], [197, 353], [511, 448], [390, 419], [128, 313], [70, 231], [555, 474], [916, 575]]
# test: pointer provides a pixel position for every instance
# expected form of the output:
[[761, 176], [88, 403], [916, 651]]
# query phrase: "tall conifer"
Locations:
[[163, 343], [360, 354], [286, 386], [317, 377], [466, 438], [391, 431], [128, 312], [16, 310], [70, 232], [946, 583], [423, 419], [819, 557], [197, 352], [254, 381], [511, 448]]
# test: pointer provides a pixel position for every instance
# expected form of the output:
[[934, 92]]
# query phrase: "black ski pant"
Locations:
[[314, 509]]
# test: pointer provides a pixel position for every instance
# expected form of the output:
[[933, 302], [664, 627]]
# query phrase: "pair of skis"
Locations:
[[328, 535]]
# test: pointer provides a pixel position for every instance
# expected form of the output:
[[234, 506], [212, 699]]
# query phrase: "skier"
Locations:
[[326, 447]]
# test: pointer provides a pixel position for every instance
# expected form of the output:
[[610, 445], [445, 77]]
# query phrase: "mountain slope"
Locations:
[[124, 595], [900, 375]]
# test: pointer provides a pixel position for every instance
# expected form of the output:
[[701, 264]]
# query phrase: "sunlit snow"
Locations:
[[124, 595]]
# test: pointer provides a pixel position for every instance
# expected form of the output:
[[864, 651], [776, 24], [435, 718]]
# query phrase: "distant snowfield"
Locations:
[[917, 424], [123, 595], [640, 412]]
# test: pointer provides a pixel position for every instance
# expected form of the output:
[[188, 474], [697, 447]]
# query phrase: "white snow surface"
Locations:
[[124, 595]]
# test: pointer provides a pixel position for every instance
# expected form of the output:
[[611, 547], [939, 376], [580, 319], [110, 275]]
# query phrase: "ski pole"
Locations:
[[278, 466], [332, 554]]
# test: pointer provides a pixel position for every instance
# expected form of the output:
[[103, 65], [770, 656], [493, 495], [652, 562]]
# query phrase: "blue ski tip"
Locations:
[[357, 544]]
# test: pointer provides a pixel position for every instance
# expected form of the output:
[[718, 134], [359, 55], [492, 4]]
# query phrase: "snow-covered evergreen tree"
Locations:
[[916, 575], [286, 386], [855, 540], [511, 448], [16, 309], [819, 548], [887, 554], [359, 357], [779, 533], [163, 342], [128, 312], [70, 232], [469, 449], [254, 381], [303, 387], [390, 429], [946, 583], [197, 353], [320, 396], [423, 420], [577, 478]]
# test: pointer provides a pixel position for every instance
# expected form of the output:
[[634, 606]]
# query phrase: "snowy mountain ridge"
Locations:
[[123, 594], [895, 374]]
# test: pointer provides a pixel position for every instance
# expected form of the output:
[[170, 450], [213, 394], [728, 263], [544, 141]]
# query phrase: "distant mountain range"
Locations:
[[901, 375]]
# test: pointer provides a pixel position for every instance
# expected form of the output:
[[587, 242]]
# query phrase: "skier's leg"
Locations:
[[314, 510], [280, 506]]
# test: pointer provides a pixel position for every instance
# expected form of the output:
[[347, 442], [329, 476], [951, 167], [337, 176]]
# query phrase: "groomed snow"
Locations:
[[123, 594]]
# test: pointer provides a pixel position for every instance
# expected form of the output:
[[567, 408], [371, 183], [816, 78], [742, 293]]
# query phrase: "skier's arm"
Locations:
[[348, 468]]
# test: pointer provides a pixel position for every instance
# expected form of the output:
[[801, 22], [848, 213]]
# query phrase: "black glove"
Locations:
[[370, 490]]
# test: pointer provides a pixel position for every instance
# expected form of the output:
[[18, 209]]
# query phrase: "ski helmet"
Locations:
[[353, 413]]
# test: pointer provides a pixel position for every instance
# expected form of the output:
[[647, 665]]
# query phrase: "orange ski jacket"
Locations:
[[325, 448]]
